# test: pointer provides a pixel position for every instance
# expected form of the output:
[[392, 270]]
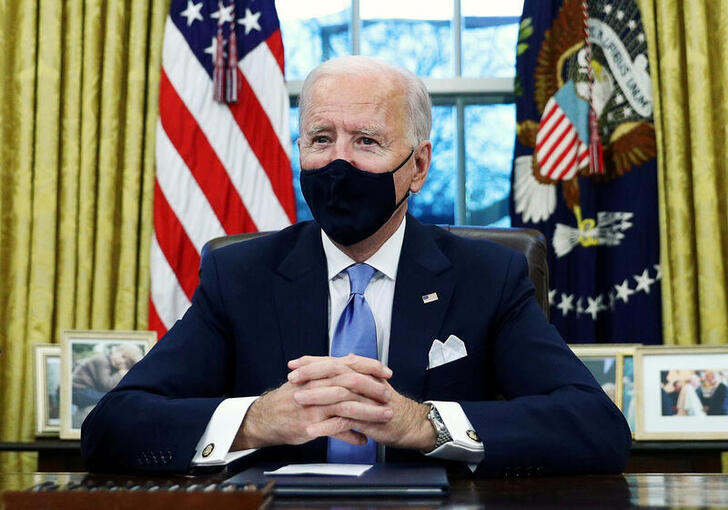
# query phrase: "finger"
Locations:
[[365, 365], [325, 395], [362, 411], [329, 395], [330, 367], [304, 360], [347, 386], [318, 369], [352, 437], [334, 426]]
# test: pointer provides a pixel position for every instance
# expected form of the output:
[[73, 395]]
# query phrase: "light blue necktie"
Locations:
[[355, 333]]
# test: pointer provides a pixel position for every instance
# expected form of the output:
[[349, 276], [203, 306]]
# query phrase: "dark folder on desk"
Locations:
[[380, 480]]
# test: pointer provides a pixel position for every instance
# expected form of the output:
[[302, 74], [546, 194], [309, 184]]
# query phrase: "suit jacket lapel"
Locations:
[[423, 269], [301, 297]]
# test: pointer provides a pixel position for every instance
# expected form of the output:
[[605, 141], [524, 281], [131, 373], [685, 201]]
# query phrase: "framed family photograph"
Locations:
[[47, 367], [92, 363], [606, 364], [682, 392]]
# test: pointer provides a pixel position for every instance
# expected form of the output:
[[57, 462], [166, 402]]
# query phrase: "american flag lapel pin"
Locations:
[[429, 298]]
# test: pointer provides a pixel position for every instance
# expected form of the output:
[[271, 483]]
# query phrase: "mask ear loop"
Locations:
[[403, 162], [406, 195]]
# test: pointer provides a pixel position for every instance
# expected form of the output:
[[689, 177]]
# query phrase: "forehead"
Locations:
[[356, 98]]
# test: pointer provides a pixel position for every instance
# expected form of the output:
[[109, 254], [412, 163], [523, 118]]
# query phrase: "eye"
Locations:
[[367, 141], [320, 139]]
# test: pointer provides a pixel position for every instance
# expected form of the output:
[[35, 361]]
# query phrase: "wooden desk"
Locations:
[[613, 491], [646, 456]]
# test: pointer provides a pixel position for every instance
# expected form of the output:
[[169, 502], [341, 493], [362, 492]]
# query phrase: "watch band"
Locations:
[[443, 436]]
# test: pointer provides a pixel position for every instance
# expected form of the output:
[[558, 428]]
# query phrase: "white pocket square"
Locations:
[[442, 353]]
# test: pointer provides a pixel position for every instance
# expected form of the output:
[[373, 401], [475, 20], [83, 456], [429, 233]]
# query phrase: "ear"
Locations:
[[422, 158]]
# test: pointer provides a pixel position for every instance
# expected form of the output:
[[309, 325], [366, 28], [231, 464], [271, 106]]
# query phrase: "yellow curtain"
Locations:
[[78, 107], [688, 44]]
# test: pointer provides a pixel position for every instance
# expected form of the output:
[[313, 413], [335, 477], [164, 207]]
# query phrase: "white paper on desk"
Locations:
[[322, 469]]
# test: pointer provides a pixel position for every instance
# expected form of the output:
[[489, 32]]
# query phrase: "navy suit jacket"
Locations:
[[263, 302]]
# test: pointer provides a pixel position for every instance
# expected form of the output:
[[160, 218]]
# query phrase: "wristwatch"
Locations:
[[443, 436]]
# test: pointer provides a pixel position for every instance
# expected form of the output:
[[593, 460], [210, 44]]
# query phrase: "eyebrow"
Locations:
[[316, 130], [373, 132]]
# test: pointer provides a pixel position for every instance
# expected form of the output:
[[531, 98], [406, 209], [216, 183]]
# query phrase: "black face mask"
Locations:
[[350, 204]]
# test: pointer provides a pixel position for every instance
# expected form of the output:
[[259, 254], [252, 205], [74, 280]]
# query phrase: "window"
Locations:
[[465, 50]]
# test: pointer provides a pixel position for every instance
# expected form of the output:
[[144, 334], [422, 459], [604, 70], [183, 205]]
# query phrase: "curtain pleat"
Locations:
[[688, 43], [78, 108]]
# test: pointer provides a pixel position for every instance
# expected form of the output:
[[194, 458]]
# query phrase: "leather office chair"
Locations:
[[528, 241]]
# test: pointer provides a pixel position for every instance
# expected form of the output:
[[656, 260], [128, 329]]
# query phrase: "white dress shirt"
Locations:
[[223, 426]]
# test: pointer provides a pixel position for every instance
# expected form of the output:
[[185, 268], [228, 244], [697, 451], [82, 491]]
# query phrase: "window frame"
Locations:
[[458, 92]]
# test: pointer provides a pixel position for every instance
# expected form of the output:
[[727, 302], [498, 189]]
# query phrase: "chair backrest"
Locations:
[[528, 241]]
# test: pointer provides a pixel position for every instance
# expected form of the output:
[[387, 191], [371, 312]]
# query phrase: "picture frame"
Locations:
[[682, 392], [92, 363], [606, 364], [628, 402], [47, 376]]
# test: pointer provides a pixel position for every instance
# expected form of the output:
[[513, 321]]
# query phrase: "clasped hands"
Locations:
[[347, 398]]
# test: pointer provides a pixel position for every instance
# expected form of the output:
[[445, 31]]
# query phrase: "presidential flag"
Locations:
[[584, 170], [223, 144]]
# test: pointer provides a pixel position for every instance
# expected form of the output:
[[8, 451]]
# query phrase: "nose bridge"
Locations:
[[342, 149]]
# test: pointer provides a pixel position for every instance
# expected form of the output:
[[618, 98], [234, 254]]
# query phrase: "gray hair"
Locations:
[[419, 104]]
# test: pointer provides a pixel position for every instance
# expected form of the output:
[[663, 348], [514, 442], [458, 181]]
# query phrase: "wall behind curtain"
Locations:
[[78, 108], [688, 44]]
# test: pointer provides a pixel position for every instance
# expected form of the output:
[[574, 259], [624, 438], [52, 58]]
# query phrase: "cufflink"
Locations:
[[472, 435], [208, 449]]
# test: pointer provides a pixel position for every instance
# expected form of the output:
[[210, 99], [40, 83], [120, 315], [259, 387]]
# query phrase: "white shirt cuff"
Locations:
[[213, 448], [462, 447]]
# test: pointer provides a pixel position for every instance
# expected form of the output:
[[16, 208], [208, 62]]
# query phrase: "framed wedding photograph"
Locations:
[[606, 364], [682, 392], [92, 363], [47, 368]]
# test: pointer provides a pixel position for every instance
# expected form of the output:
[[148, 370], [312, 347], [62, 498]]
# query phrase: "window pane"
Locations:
[[490, 30], [302, 211], [435, 203], [489, 143], [313, 32], [412, 34]]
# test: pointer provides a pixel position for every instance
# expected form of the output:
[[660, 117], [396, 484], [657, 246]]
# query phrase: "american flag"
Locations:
[[559, 150], [222, 168]]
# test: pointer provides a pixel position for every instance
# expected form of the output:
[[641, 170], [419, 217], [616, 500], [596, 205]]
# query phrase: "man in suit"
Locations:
[[256, 363]]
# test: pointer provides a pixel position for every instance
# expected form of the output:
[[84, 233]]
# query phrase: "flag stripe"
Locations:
[[184, 195], [178, 250], [547, 119], [167, 295], [194, 87], [275, 43], [557, 152], [200, 158], [566, 157], [223, 144], [266, 79], [564, 137], [259, 132], [155, 323], [551, 137]]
